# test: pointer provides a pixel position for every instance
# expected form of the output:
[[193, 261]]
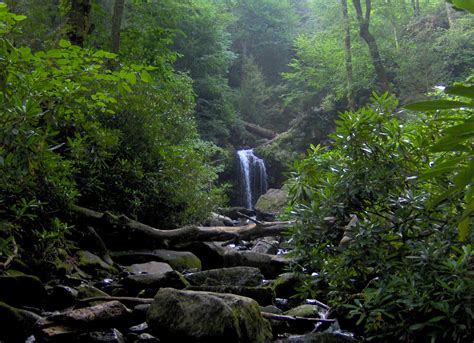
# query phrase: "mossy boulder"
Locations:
[[234, 276], [190, 316], [178, 260], [305, 311], [94, 265], [273, 201], [16, 324], [287, 284]]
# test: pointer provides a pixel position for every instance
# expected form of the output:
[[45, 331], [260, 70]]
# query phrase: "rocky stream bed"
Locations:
[[198, 291]]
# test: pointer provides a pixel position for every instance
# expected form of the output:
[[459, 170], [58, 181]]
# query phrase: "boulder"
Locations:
[[189, 316], [94, 265], [210, 253], [16, 324], [270, 265], [62, 297], [133, 284], [178, 260], [234, 276], [216, 219], [262, 295], [22, 290], [305, 311], [272, 202], [266, 246], [287, 284]]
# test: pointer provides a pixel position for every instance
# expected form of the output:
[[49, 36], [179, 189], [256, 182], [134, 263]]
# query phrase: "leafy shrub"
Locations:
[[401, 271]]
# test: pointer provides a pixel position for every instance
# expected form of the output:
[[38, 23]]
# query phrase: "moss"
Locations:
[[16, 324]]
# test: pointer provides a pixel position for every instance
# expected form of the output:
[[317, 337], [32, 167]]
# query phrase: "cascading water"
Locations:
[[253, 177]]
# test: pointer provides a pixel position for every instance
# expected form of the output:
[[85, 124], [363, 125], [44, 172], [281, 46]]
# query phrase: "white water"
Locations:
[[253, 177]]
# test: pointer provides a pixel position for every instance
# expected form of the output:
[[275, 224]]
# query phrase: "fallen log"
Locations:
[[132, 232], [258, 130]]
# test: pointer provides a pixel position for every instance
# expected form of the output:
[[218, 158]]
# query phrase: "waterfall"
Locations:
[[253, 177]]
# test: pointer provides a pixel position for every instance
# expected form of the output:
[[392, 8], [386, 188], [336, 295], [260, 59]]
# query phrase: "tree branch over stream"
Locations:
[[135, 231]]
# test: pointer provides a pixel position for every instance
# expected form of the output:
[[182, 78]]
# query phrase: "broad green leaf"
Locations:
[[467, 5], [442, 168], [64, 43], [104, 54], [461, 90], [450, 143], [433, 105], [146, 77], [466, 127], [55, 53], [465, 176], [463, 229]]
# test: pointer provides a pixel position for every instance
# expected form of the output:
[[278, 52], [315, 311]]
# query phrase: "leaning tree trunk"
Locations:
[[364, 22], [116, 24], [348, 54], [78, 24]]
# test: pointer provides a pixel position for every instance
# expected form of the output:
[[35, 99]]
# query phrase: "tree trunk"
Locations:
[[348, 53], [260, 131], [364, 22], [116, 23], [78, 24], [132, 233], [449, 14]]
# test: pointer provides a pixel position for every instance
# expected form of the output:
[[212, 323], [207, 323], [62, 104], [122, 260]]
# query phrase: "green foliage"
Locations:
[[75, 130], [387, 254]]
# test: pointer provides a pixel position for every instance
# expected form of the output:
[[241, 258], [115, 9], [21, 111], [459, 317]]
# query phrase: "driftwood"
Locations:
[[142, 234], [125, 300], [260, 131]]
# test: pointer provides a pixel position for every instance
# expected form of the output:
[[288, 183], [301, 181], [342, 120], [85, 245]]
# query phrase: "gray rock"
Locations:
[[87, 291], [62, 296], [178, 260], [147, 338], [262, 295], [136, 283], [266, 247], [234, 276], [286, 285], [210, 253], [150, 268], [306, 311], [188, 316]]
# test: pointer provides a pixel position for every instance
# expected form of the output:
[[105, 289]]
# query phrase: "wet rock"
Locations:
[[94, 265], [147, 338], [87, 291], [262, 295], [271, 309], [210, 253], [139, 312], [216, 219], [234, 276], [22, 290], [57, 333], [178, 260], [16, 324], [136, 283], [286, 285], [270, 265], [306, 311], [189, 316], [140, 328], [318, 337], [150, 268], [264, 246], [62, 297]]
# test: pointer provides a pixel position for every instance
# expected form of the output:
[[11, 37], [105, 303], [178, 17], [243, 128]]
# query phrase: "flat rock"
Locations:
[[233, 276], [318, 337], [150, 268], [262, 295], [178, 260], [189, 316], [94, 265]]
